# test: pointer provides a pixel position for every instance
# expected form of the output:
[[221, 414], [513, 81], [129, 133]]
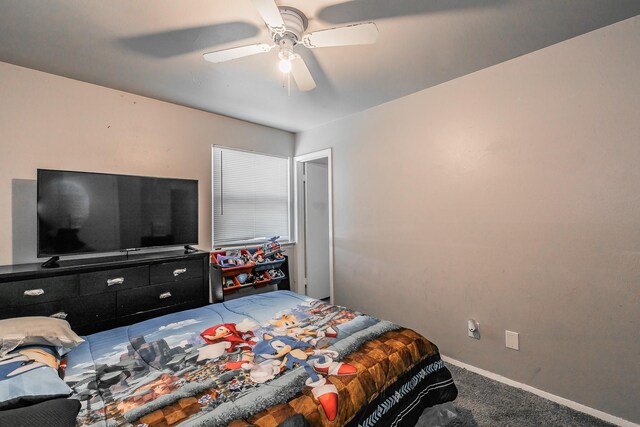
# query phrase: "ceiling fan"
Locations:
[[287, 26]]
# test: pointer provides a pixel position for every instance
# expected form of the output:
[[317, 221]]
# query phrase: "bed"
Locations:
[[275, 359]]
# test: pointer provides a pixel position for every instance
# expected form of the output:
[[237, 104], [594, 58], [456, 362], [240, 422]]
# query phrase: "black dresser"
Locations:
[[101, 293]]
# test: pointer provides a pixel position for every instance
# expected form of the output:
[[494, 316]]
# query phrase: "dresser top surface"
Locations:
[[24, 271]]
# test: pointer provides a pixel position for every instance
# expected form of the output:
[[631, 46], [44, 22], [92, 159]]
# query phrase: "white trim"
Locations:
[[284, 245], [328, 154], [314, 156], [250, 151], [552, 397], [297, 236], [212, 198]]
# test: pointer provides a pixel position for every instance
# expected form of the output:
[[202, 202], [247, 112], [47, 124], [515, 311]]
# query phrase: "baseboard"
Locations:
[[552, 397]]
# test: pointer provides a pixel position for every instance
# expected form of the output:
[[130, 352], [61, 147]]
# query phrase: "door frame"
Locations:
[[298, 184]]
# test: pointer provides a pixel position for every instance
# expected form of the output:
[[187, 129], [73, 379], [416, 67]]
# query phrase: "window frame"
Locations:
[[254, 242]]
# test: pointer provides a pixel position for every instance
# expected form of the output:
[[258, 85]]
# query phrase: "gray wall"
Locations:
[[511, 196], [47, 121]]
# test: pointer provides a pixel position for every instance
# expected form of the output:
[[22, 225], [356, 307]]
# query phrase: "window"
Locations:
[[250, 197]]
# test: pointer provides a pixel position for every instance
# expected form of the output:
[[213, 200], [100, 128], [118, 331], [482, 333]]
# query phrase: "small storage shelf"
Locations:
[[225, 283]]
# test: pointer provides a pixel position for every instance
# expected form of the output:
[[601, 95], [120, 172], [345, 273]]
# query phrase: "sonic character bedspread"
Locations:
[[260, 360]]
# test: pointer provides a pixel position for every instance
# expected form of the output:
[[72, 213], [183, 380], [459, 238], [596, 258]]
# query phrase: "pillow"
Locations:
[[47, 355], [37, 330], [52, 413], [25, 379]]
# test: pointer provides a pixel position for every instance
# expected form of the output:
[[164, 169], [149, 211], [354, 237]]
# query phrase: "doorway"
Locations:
[[314, 224]]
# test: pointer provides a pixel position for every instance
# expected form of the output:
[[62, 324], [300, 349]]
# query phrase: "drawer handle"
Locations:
[[33, 292], [59, 315], [179, 271], [165, 295], [115, 281]]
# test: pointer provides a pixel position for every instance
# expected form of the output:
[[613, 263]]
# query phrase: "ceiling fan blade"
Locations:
[[270, 13], [301, 74], [372, 10], [236, 52], [366, 33], [167, 44]]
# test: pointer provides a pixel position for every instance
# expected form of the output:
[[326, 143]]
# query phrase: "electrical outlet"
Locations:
[[512, 340], [473, 328]]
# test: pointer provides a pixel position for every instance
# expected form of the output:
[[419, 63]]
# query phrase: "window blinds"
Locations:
[[250, 197]]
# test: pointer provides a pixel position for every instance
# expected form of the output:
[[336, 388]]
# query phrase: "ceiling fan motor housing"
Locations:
[[295, 24]]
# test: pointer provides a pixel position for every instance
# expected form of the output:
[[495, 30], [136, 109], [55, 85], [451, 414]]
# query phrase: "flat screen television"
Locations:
[[82, 212]]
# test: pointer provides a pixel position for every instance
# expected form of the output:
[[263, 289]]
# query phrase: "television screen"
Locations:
[[81, 212]]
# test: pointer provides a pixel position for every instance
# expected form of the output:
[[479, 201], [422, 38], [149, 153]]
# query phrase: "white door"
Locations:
[[317, 228]]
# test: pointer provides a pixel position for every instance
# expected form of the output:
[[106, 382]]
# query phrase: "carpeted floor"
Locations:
[[485, 402]]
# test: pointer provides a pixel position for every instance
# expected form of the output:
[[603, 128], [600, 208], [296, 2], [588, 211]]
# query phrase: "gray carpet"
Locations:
[[485, 402]]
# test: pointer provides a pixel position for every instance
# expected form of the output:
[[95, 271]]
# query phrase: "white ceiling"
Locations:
[[154, 48]]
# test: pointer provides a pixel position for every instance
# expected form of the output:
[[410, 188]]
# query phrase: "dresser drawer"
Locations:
[[75, 311], [42, 309], [113, 280], [91, 308], [153, 297], [27, 292], [175, 271]]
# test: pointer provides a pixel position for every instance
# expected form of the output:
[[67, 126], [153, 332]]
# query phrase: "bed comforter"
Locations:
[[266, 360]]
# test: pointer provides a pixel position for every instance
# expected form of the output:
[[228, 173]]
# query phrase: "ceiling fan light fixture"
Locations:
[[285, 66], [285, 54]]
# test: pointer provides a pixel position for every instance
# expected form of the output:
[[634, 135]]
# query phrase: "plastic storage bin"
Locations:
[[256, 284], [267, 265], [231, 271], [276, 280]]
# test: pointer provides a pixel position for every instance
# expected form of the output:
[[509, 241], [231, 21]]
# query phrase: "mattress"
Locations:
[[265, 360]]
